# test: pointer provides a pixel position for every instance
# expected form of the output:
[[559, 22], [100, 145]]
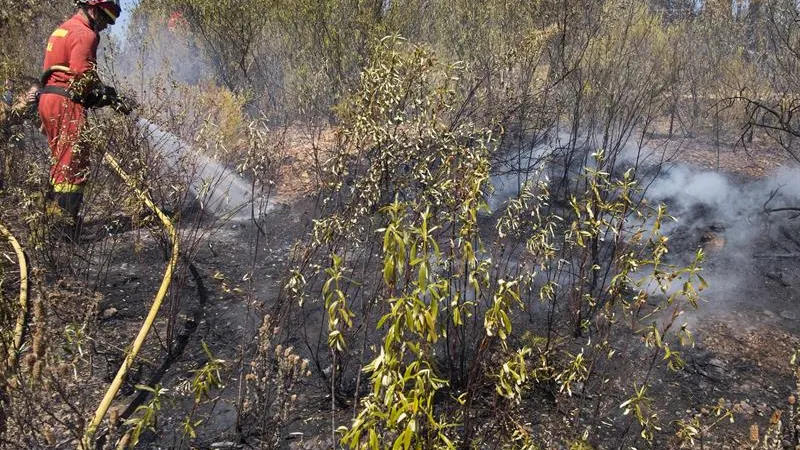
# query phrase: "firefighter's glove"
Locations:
[[100, 96]]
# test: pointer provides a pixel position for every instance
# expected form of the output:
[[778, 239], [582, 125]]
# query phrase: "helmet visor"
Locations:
[[111, 11]]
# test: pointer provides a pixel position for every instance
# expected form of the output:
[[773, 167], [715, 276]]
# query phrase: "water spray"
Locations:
[[219, 190]]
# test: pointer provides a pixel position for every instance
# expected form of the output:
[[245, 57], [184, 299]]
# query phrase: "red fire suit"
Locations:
[[73, 45]]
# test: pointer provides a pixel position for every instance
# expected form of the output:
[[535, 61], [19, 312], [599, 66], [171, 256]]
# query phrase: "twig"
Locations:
[[778, 256]]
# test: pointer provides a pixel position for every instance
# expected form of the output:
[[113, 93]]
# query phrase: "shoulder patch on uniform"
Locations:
[[60, 32]]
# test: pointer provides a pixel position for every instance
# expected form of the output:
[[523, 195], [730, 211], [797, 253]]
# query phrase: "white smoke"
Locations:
[[729, 217]]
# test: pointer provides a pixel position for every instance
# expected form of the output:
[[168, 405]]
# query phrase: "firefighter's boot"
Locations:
[[65, 215]]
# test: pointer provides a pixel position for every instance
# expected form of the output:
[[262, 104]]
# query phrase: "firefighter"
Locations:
[[71, 85]]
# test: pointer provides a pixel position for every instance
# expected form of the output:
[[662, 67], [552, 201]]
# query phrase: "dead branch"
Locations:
[[771, 197]]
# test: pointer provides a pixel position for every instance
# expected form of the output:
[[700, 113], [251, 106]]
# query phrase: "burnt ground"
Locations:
[[746, 329]]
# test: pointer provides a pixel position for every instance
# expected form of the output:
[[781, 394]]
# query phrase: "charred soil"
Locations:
[[746, 330]]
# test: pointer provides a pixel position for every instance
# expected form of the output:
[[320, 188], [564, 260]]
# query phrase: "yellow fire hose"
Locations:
[[23, 293], [87, 442]]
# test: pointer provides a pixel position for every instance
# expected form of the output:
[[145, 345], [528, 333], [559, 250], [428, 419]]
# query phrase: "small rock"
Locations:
[[743, 408], [789, 315], [109, 313]]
